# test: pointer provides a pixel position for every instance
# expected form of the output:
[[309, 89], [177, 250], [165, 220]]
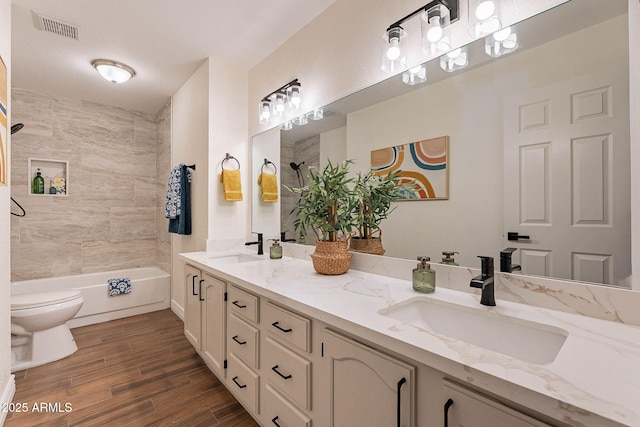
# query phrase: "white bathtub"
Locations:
[[150, 291]]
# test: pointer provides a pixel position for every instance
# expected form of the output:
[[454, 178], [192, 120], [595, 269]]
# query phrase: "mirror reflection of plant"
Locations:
[[327, 204], [375, 194]]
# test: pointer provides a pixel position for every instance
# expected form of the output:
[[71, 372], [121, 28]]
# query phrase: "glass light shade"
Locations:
[[415, 75], [454, 60], [301, 120], [279, 104], [394, 52], [435, 31], [293, 96], [113, 71], [484, 20], [317, 114], [288, 125], [501, 42], [264, 112]]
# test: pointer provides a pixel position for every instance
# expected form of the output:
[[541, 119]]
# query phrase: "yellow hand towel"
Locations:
[[231, 184], [268, 187]]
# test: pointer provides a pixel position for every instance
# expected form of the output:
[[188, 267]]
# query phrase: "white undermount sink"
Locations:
[[235, 258], [522, 339]]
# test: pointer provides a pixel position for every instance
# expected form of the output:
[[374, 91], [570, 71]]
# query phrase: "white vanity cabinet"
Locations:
[[367, 387], [465, 407], [205, 317]]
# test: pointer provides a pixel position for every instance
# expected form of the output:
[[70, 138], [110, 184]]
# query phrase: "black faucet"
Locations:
[[505, 261], [485, 281], [258, 242], [283, 237]]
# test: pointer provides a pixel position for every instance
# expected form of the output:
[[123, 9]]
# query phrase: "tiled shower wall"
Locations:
[[163, 166], [108, 219]]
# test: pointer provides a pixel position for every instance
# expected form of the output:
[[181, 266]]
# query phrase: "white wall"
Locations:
[[468, 108], [189, 136], [265, 216], [228, 134], [6, 379], [333, 145]]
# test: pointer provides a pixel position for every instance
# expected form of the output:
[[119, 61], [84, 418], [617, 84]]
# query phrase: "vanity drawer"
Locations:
[[278, 410], [288, 372], [242, 339], [288, 326], [244, 382], [243, 304]]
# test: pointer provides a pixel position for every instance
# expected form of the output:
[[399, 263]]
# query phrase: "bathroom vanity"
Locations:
[[301, 349]]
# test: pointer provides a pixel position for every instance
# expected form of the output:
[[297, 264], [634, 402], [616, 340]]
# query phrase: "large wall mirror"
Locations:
[[538, 146]]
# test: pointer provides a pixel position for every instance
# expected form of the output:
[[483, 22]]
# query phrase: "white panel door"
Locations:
[[567, 178]]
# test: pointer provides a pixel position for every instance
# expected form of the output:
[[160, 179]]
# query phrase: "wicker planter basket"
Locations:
[[331, 257], [367, 246]]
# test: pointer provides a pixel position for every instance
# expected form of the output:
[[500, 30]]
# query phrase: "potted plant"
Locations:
[[375, 194], [327, 207]]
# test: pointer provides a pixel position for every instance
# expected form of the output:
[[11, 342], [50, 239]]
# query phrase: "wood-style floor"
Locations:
[[138, 371]]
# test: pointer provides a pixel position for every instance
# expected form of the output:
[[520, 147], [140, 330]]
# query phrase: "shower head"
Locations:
[[295, 166], [16, 128]]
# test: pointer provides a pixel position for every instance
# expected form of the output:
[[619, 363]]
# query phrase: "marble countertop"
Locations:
[[593, 381]]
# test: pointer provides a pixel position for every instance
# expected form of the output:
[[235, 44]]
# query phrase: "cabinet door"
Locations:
[[367, 388], [192, 277], [213, 323], [466, 407]]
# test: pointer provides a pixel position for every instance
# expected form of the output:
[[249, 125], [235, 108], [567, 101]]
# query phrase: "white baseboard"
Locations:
[[179, 311], [7, 397]]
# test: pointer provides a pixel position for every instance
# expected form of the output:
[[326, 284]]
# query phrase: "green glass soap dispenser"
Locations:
[[424, 278], [275, 251], [447, 258], [38, 183]]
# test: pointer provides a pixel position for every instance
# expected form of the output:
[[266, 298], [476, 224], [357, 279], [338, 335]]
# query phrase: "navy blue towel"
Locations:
[[119, 286], [182, 223]]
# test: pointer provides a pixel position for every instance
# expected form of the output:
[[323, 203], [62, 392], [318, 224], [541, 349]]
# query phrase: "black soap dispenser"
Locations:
[[275, 251], [424, 278]]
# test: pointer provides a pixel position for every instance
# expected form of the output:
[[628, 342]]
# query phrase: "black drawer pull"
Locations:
[[275, 421], [235, 380], [193, 284], [200, 291], [446, 412], [283, 330], [275, 369], [399, 408], [235, 338], [238, 305]]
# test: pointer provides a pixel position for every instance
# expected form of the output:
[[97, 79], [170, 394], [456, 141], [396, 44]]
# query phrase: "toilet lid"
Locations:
[[22, 301]]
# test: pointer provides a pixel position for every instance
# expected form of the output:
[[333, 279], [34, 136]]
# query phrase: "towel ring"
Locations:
[[267, 163], [229, 157]]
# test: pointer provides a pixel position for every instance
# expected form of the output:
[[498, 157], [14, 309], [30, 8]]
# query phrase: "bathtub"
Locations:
[[150, 291]]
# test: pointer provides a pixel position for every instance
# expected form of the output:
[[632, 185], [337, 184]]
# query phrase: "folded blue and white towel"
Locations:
[[119, 286]]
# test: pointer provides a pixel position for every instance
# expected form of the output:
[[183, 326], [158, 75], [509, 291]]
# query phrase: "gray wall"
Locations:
[[108, 219]]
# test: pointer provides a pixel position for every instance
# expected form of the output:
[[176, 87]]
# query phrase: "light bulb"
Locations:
[[435, 32], [485, 10], [393, 53], [502, 35]]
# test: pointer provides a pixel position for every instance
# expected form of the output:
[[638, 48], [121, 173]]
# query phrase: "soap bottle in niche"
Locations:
[[447, 258], [424, 278], [38, 183], [275, 251]]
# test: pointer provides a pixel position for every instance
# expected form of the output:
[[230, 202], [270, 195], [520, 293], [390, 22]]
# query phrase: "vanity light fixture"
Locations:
[[317, 114], [436, 17], [484, 19], [415, 75], [288, 125], [301, 120], [454, 60], [501, 42], [114, 71], [280, 102]]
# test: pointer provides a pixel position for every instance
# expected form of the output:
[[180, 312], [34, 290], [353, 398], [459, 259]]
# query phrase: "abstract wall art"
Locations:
[[424, 163]]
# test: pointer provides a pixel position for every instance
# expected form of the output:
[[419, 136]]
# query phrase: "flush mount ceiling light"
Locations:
[[280, 103], [436, 16], [114, 71]]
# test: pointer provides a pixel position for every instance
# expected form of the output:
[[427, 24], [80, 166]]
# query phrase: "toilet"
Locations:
[[39, 331]]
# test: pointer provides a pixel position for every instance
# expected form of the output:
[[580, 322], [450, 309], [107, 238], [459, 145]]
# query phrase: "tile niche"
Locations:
[[55, 174]]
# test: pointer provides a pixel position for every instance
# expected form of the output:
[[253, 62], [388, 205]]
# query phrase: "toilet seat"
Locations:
[[42, 299]]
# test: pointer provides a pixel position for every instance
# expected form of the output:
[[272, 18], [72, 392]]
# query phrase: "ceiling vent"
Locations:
[[54, 26]]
